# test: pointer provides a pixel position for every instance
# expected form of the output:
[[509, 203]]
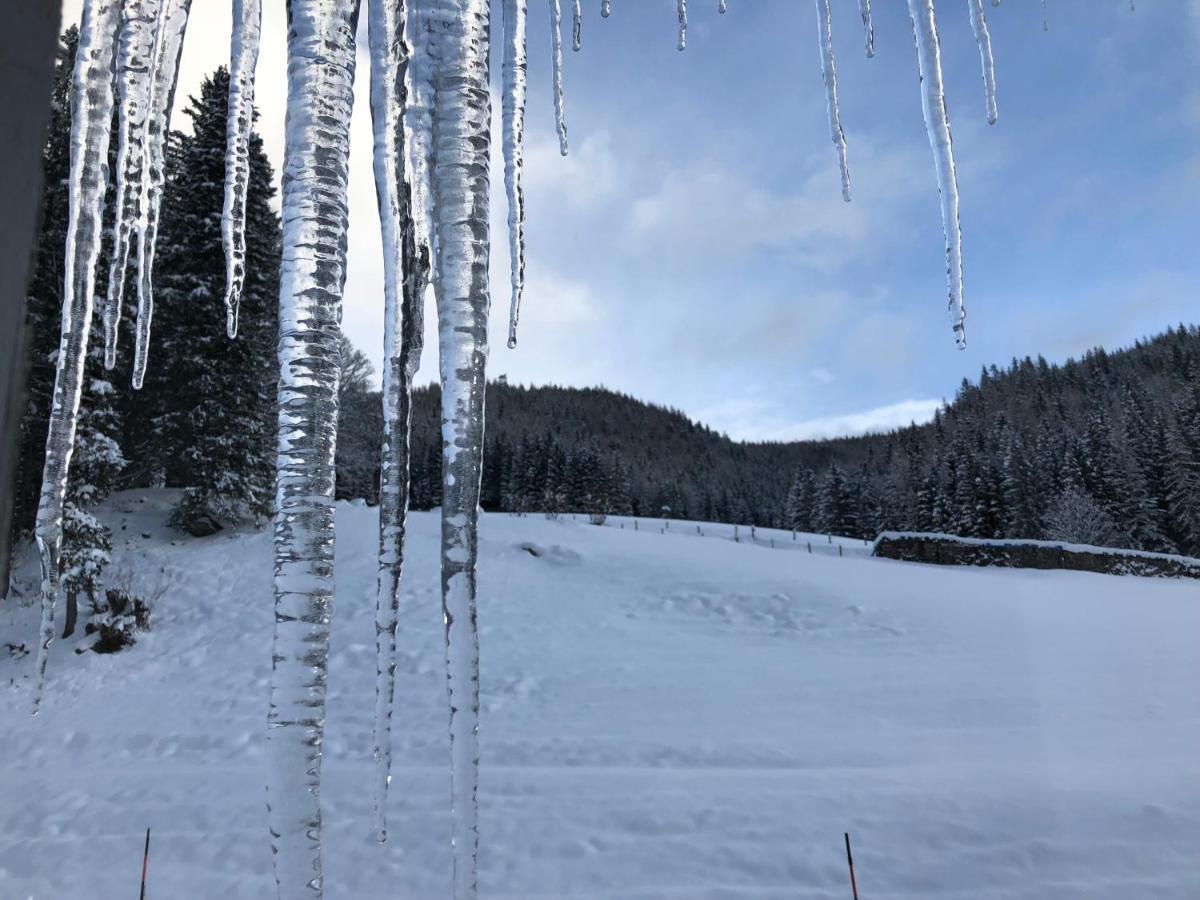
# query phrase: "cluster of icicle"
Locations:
[[137, 43], [429, 77]]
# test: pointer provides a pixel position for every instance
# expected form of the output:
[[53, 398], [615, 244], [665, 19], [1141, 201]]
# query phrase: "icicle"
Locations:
[[405, 274], [419, 121], [681, 10], [984, 40], [1045, 17], [168, 46], [576, 25], [312, 275], [937, 124], [514, 87], [864, 9], [829, 73], [135, 51], [721, 7], [461, 120], [606, 8], [560, 117], [247, 25], [91, 122]]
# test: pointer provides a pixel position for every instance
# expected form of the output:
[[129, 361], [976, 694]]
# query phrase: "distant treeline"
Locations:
[[1104, 449]]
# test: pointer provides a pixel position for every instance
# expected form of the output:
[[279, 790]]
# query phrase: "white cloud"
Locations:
[[758, 418], [879, 419], [582, 181], [822, 376], [706, 210]]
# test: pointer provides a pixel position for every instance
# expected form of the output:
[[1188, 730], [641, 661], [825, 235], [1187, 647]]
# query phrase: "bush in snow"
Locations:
[[118, 615], [1078, 519]]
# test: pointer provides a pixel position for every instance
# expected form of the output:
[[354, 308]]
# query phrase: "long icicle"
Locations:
[[243, 58], [556, 53], [984, 40], [829, 74], [135, 52], [937, 125], [461, 119], [514, 91], [864, 9], [168, 47], [606, 8], [91, 120], [312, 275], [721, 7], [405, 276], [681, 14], [576, 25]]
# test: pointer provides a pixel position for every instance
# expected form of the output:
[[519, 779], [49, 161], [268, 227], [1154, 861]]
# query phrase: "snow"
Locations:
[[664, 715]]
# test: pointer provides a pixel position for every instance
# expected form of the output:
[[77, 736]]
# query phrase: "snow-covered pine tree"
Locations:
[[801, 506], [207, 412], [1183, 477], [360, 424], [836, 508]]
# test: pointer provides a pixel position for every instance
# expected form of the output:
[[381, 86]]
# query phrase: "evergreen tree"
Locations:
[[801, 510], [206, 415], [360, 426], [1183, 480], [836, 512]]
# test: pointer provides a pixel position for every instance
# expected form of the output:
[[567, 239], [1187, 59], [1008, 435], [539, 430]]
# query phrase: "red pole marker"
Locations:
[[850, 862], [146, 865]]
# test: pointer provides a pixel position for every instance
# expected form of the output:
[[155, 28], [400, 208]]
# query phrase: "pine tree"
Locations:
[[1183, 480], [801, 508], [836, 514], [206, 415], [360, 425]]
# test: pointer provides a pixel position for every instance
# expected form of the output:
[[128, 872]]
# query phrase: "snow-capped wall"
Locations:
[[948, 549]]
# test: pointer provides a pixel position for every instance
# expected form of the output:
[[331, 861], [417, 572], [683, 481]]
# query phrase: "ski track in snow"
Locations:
[[664, 715]]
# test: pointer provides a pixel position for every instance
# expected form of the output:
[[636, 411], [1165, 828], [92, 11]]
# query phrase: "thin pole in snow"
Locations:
[[145, 865], [850, 863]]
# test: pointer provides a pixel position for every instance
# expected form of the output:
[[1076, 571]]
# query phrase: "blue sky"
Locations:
[[694, 250]]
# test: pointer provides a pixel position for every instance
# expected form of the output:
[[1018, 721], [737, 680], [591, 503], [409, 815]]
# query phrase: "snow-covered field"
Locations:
[[664, 715]]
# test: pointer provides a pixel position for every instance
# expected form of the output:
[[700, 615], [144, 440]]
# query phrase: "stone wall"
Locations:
[[948, 550]]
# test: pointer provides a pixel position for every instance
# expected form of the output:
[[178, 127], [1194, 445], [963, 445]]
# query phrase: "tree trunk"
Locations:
[[72, 614]]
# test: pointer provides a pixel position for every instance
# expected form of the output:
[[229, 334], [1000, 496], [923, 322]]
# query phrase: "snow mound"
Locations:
[[670, 715]]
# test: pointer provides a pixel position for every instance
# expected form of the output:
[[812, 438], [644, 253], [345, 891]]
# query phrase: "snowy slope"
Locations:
[[665, 715]]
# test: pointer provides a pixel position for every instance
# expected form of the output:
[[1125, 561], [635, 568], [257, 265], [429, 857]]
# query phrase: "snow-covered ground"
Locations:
[[664, 716]]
